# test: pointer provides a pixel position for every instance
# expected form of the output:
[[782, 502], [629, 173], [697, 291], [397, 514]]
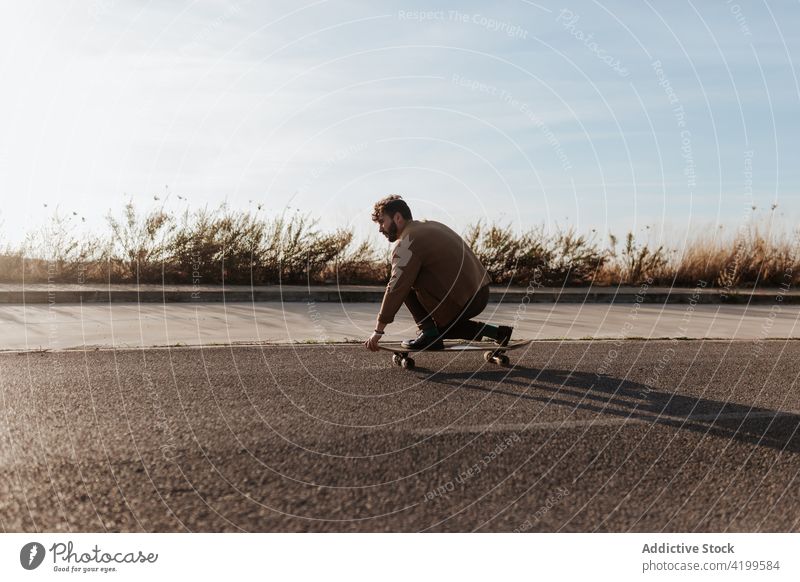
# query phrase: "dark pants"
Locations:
[[461, 327]]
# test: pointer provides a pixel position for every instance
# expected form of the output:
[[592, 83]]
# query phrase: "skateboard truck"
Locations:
[[498, 357], [403, 359]]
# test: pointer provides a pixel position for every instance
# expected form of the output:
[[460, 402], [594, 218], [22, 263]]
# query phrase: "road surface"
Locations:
[[576, 436]]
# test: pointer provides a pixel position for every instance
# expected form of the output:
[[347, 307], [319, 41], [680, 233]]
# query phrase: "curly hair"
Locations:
[[390, 205]]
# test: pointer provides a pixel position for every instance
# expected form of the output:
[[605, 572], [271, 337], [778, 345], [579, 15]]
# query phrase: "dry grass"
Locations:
[[565, 258], [242, 247], [755, 256]]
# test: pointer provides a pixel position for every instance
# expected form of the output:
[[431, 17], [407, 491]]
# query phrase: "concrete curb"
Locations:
[[42, 294]]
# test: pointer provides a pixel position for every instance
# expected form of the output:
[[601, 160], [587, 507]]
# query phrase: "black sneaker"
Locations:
[[504, 334], [424, 342]]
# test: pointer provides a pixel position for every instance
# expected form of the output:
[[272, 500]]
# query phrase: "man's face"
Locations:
[[388, 228]]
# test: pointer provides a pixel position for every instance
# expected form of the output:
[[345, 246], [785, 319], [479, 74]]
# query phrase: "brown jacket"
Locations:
[[434, 261]]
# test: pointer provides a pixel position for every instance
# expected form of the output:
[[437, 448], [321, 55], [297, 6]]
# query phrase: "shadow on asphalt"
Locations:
[[615, 397]]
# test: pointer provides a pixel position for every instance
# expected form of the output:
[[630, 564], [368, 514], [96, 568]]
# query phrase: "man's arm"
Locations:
[[405, 267]]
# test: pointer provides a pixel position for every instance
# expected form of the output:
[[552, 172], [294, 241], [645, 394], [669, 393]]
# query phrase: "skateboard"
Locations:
[[492, 352]]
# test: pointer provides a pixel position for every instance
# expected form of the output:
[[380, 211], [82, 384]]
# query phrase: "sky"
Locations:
[[653, 117]]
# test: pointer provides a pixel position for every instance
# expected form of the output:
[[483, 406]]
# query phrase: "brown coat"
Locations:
[[437, 263]]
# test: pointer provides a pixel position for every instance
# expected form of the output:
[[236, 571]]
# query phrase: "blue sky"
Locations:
[[610, 116]]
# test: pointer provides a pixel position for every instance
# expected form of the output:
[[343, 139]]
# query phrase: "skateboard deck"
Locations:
[[492, 352]]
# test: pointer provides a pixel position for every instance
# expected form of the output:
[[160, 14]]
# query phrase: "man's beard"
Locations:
[[391, 234]]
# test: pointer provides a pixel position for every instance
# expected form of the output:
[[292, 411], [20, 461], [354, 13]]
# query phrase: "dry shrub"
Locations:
[[242, 247], [575, 260], [216, 246], [356, 264], [139, 245], [55, 253], [754, 256], [635, 263], [565, 258], [509, 257], [219, 245]]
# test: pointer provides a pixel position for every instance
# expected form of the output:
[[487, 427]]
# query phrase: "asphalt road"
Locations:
[[577, 436]]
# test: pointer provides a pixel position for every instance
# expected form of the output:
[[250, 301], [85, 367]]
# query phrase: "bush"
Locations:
[[242, 247]]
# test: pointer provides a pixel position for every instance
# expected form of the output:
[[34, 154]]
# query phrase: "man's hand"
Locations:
[[372, 343]]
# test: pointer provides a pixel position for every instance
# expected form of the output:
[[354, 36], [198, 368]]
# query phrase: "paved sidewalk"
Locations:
[[36, 327], [92, 293]]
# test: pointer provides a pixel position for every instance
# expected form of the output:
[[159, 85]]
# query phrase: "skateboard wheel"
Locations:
[[396, 359], [408, 363], [503, 360], [487, 356]]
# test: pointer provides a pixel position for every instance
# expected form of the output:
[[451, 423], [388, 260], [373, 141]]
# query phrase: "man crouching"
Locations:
[[438, 278]]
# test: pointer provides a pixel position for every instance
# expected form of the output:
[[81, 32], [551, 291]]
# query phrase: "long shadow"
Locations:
[[611, 396]]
